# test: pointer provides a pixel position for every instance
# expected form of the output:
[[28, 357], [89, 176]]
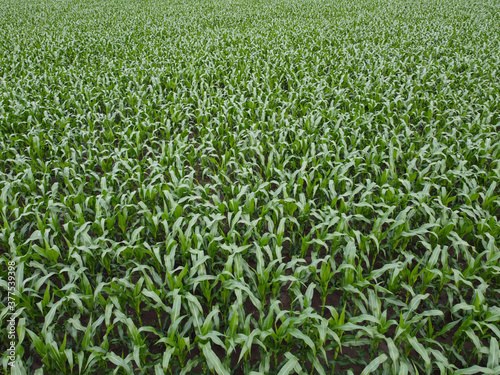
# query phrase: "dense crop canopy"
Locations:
[[233, 187]]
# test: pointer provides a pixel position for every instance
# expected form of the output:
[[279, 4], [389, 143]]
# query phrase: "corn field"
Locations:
[[249, 187]]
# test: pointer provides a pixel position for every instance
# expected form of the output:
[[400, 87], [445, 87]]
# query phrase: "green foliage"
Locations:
[[277, 187]]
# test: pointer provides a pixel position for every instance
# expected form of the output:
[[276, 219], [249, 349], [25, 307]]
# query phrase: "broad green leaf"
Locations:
[[213, 361], [373, 365]]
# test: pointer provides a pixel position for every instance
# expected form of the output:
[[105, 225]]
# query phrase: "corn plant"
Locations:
[[226, 187]]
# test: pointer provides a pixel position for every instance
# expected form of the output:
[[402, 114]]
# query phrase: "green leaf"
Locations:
[[494, 356], [213, 361], [475, 370], [393, 350], [301, 336], [118, 361], [373, 365], [50, 316], [167, 354], [290, 366], [419, 348]]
